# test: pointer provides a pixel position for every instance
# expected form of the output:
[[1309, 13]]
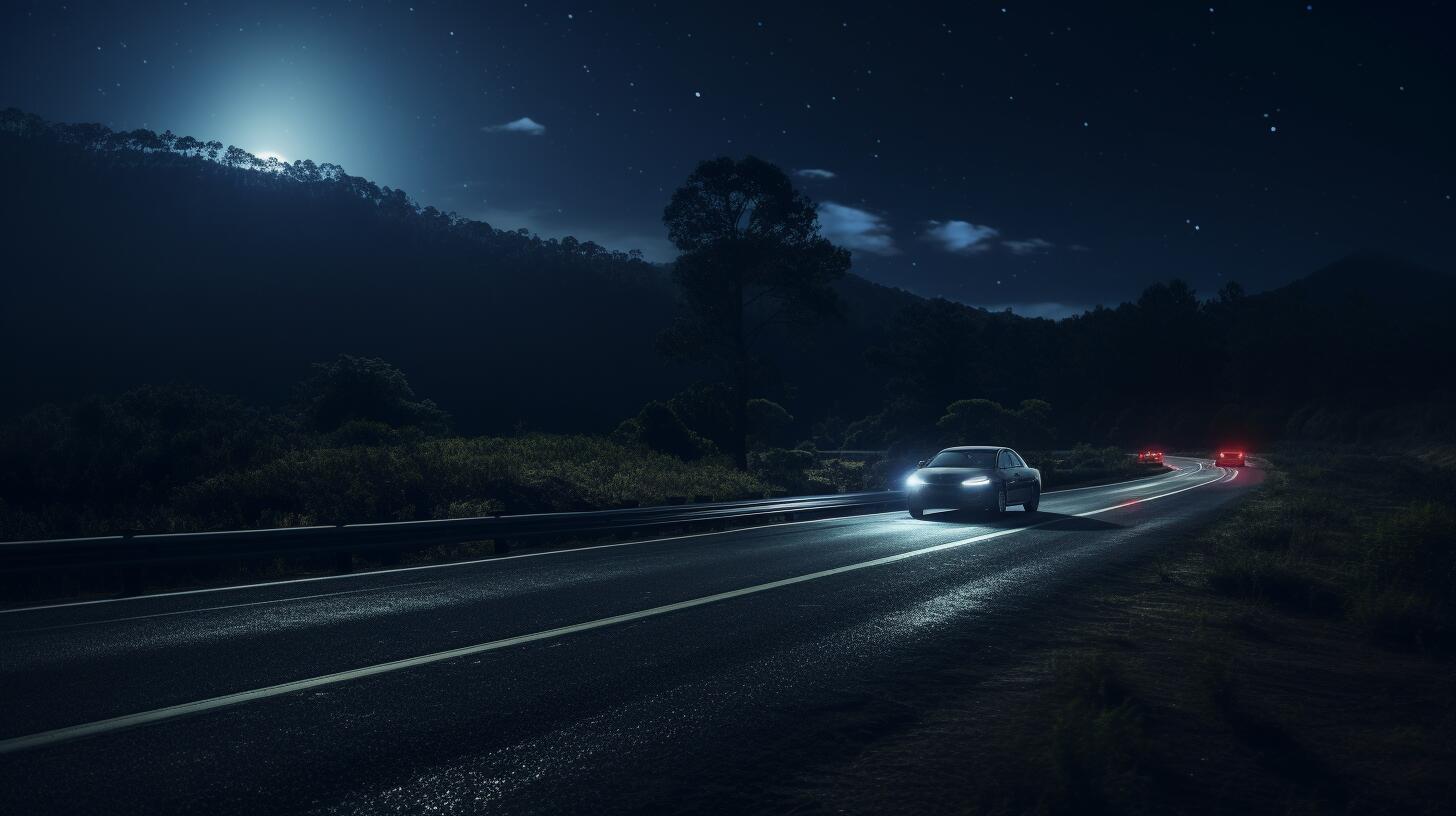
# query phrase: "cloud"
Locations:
[[856, 229], [1080, 248], [525, 125], [961, 236], [815, 173], [1028, 246]]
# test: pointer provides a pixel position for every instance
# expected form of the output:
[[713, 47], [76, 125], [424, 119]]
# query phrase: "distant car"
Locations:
[[1152, 456], [1229, 459], [973, 478]]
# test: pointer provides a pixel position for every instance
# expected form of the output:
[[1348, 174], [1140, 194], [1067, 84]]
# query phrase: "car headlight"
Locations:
[[914, 481], [976, 481]]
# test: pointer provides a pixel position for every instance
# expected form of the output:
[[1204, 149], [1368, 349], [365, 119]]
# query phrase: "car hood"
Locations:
[[952, 475]]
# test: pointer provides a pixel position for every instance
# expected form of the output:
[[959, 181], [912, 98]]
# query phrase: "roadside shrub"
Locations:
[[889, 474], [1403, 620], [365, 388], [707, 410], [839, 475], [1267, 533], [365, 432], [1085, 463], [1275, 577], [659, 429], [1098, 746], [785, 469], [768, 424], [440, 478], [1415, 546]]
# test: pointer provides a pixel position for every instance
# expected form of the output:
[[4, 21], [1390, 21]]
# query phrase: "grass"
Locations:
[[1354, 536], [1293, 657], [1098, 747]]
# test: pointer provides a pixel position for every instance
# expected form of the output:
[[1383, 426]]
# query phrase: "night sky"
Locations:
[[1046, 156]]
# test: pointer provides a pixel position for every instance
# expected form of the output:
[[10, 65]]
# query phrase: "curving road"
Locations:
[[618, 677]]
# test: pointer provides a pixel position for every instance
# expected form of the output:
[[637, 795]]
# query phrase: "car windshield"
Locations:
[[965, 459]]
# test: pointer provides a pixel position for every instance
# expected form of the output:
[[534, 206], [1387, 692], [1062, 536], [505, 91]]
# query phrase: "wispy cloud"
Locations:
[[525, 125], [856, 229], [815, 173], [1028, 246], [962, 236]]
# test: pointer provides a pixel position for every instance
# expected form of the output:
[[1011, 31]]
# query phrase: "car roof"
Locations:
[[973, 448]]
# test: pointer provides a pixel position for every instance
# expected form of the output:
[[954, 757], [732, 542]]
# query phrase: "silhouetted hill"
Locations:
[[130, 263], [137, 258], [1369, 279]]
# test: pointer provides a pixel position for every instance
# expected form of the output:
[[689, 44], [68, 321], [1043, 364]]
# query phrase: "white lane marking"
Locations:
[[493, 559], [170, 712], [1180, 473], [100, 621]]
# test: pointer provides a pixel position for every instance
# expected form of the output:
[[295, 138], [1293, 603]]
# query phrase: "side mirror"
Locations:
[[920, 464]]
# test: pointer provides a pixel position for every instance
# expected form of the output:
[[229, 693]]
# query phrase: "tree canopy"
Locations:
[[753, 259]]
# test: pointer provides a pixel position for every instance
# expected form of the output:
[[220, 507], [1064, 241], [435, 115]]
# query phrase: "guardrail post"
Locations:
[[133, 576]]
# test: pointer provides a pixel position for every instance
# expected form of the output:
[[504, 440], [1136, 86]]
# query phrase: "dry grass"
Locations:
[[1287, 661]]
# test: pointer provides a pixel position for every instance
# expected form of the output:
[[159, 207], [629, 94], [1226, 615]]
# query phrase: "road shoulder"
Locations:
[[1161, 690]]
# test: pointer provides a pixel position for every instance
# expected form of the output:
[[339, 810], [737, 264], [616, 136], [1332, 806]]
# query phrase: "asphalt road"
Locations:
[[622, 678]]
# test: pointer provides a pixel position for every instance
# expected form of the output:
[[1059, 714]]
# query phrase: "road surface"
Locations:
[[624, 677]]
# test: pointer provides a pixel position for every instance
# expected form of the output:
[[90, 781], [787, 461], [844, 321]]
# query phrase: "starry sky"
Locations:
[[1041, 156]]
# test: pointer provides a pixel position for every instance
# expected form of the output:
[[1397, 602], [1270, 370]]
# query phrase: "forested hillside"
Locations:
[[142, 258]]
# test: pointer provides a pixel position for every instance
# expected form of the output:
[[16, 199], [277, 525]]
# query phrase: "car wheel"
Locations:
[[1035, 501], [916, 512], [1000, 501]]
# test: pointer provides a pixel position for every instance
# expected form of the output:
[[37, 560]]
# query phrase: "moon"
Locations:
[[265, 155]]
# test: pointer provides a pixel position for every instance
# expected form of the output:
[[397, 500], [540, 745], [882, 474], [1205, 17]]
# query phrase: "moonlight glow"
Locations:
[[901, 125]]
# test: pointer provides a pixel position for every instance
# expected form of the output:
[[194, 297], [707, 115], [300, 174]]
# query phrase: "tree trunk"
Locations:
[[740, 384], [740, 417]]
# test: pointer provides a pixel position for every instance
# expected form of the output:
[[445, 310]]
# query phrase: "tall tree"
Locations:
[[752, 259]]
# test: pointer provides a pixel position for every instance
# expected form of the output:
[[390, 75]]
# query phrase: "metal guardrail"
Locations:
[[28, 556]]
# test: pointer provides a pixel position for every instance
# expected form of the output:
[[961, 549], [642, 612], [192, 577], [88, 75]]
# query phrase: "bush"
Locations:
[[1098, 745], [659, 429], [437, 477], [1415, 547], [839, 476], [1277, 578], [1403, 620], [707, 410], [782, 468], [768, 423], [1085, 463], [364, 388], [984, 422]]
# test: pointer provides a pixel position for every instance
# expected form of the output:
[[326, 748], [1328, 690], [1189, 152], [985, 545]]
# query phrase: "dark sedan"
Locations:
[[973, 478]]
